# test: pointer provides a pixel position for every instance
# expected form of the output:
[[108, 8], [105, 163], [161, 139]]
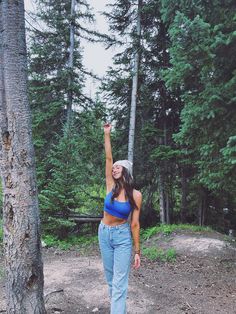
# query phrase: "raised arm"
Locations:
[[108, 155]]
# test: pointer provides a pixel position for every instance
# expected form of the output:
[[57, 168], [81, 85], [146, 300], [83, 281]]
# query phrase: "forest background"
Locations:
[[185, 136]]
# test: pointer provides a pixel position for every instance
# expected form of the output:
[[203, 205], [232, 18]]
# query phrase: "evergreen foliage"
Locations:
[[68, 161], [186, 111], [203, 70], [75, 183], [185, 137]]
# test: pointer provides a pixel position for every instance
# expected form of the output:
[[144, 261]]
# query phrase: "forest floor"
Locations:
[[202, 279]]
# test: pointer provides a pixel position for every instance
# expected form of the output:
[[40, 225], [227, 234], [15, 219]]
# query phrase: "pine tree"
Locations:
[[60, 108], [56, 82], [157, 108], [203, 69]]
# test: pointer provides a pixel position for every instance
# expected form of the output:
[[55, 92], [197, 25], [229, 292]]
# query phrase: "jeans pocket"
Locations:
[[125, 230], [125, 233]]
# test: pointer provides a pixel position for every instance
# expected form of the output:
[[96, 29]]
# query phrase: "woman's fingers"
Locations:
[[136, 261], [107, 127]]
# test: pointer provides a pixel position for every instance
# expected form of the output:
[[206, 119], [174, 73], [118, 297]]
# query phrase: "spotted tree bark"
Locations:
[[21, 224]]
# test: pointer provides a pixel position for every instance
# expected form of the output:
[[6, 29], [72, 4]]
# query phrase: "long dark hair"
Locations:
[[126, 181]]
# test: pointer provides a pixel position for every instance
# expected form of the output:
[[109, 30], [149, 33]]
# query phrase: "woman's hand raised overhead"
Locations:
[[107, 128]]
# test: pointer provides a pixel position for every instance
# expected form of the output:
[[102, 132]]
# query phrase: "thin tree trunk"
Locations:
[[167, 207], [162, 199], [183, 196], [165, 182], [23, 261], [203, 207], [200, 214], [134, 88], [70, 62]]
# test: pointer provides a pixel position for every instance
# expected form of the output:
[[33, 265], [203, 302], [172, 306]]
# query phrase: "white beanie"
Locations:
[[126, 164]]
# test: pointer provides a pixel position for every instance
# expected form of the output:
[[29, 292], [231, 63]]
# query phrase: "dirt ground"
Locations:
[[202, 280]]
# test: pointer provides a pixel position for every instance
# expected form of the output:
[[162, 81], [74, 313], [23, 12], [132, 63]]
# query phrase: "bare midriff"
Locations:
[[112, 220]]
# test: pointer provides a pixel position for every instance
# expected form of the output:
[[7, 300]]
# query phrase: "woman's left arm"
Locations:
[[135, 228]]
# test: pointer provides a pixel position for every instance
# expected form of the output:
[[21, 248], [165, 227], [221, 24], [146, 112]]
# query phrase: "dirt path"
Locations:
[[201, 281]]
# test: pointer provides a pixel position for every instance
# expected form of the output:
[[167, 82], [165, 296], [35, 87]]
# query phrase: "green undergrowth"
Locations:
[[230, 239], [169, 229], [81, 242], [165, 255], [154, 253]]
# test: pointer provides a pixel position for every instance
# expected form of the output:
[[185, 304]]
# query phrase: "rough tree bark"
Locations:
[[21, 226]]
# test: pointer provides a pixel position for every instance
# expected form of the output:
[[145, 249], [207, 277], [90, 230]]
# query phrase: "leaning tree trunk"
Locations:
[[23, 262], [134, 88]]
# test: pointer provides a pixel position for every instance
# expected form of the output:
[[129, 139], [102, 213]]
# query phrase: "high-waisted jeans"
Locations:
[[116, 248]]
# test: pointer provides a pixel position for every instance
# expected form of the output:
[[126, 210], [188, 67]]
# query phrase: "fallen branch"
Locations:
[[47, 296]]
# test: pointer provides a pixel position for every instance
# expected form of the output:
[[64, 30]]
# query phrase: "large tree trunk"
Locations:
[[23, 262], [134, 88]]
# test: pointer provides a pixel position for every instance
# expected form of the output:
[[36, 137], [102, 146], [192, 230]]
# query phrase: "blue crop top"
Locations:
[[117, 208]]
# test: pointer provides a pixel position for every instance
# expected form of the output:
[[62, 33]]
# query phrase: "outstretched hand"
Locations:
[[136, 264], [107, 128]]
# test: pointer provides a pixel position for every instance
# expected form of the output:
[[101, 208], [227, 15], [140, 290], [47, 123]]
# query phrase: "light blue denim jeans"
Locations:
[[116, 248]]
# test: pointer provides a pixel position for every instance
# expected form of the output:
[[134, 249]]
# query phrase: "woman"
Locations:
[[114, 232]]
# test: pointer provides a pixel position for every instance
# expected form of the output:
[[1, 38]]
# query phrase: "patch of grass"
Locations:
[[231, 240], [168, 229], [49, 240], [154, 253], [170, 255], [73, 241]]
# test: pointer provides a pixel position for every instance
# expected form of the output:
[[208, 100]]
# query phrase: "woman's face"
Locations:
[[117, 171]]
